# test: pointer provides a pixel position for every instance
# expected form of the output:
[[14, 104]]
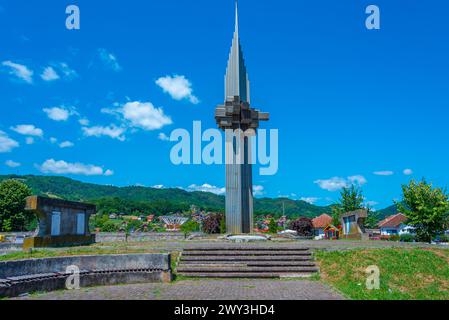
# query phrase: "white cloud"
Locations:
[[206, 188], [111, 131], [144, 115], [383, 173], [337, 183], [58, 113], [408, 172], [108, 173], [57, 70], [63, 167], [109, 60], [19, 70], [6, 143], [84, 121], [158, 186], [28, 130], [68, 72], [66, 144], [372, 203], [178, 87], [360, 180], [53, 140], [163, 137], [332, 184], [29, 140], [258, 190], [49, 74], [12, 164], [310, 200]]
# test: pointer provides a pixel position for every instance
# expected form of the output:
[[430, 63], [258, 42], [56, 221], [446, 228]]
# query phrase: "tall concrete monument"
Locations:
[[240, 122]]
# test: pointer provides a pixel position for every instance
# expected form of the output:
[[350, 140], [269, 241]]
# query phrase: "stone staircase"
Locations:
[[246, 262]]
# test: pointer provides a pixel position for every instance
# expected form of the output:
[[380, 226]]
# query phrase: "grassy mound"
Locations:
[[416, 274]]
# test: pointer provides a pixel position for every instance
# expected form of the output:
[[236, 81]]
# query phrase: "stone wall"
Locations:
[[138, 237], [21, 276], [97, 262]]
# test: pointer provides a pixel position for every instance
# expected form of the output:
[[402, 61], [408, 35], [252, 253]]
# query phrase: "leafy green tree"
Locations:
[[223, 225], [272, 226], [351, 199], [372, 219], [13, 216], [426, 207], [189, 227], [109, 226], [133, 226]]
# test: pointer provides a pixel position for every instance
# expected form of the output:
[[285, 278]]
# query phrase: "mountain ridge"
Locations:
[[158, 201]]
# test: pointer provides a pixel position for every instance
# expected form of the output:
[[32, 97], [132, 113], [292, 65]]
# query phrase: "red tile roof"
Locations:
[[322, 221], [393, 221]]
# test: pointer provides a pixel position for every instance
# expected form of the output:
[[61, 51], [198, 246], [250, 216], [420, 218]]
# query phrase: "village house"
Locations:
[[394, 225], [320, 223]]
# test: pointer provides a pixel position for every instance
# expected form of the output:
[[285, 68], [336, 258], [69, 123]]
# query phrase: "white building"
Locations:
[[395, 225]]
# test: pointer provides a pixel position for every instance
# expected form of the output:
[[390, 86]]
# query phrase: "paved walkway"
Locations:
[[202, 290]]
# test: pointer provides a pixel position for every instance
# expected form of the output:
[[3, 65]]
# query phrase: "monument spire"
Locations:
[[236, 117], [237, 17], [236, 80]]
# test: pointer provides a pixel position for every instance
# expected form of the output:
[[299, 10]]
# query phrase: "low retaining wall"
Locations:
[[22, 276], [8, 247], [138, 237]]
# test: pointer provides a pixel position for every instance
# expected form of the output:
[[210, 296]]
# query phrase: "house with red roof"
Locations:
[[320, 223], [394, 225]]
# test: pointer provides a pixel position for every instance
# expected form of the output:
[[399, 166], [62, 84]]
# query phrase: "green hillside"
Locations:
[[150, 200], [389, 211]]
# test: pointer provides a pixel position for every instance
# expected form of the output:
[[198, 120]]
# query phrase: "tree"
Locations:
[[272, 226], [223, 226], [211, 224], [426, 207], [109, 226], [13, 216], [351, 199], [372, 219], [303, 226], [189, 227]]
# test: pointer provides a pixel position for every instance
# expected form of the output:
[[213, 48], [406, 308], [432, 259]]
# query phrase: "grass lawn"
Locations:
[[121, 248], [418, 274]]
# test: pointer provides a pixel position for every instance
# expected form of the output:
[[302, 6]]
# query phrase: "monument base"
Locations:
[[247, 238], [59, 241]]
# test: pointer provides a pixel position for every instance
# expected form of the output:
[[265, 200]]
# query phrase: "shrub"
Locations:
[[394, 237], [189, 227], [223, 225], [211, 224], [272, 226], [303, 226], [13, 216], [407, 238], [444, 238], [109, 226]]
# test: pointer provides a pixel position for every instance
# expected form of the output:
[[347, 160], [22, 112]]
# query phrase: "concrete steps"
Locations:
[[246, 253], [246, 262]]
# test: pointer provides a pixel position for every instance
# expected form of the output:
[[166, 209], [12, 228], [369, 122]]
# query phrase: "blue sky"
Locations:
[[350, 104]]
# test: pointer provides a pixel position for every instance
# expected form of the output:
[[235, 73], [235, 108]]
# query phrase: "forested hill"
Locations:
[[136, 199]]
